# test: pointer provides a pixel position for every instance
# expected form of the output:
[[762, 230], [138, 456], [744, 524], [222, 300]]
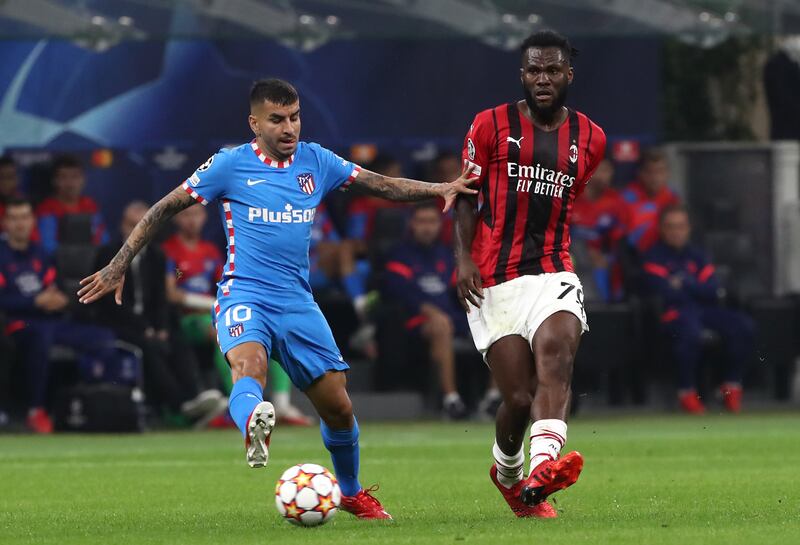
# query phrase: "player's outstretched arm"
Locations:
[[112, 276], [404, 189], [469, 277]]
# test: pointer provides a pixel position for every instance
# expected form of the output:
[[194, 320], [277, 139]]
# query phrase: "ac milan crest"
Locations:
[[573, 153], [306, 182], [236, 330]]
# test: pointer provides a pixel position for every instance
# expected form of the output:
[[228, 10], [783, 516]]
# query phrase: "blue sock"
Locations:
[[343, 446], [245, 395]]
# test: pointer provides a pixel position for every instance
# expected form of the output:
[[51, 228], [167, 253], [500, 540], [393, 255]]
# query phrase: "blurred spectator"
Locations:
[[171, 378], [684, 279], [363, 208], [446, 168], [9, 182], [33, 307], [598, 219], [420, 276], [69, 180], [193, 268], [645, 198], [333, 262]]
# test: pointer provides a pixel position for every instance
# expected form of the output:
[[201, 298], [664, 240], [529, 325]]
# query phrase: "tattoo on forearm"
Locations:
[[159, 213], [394, 189]]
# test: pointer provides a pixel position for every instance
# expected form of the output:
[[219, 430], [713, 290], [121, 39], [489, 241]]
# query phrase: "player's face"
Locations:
[[132, 216], [675, 229], [426, 225], [190, 222], [602, 177], [277, 127], [68, 182], [654, 175], [545, 75], [18, 222]]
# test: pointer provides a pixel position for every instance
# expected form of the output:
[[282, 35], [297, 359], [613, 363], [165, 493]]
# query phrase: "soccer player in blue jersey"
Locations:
[[268, 191]]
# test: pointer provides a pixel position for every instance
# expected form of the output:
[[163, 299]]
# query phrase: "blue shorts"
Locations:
[[295, 334]]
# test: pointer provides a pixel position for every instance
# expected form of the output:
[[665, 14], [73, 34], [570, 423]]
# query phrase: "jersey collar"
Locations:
[[266, 160]]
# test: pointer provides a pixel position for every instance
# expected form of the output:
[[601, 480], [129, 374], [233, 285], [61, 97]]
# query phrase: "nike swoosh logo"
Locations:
[[254, 182]]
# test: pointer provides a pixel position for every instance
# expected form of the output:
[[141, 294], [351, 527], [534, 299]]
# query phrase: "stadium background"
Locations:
[[144, 91]]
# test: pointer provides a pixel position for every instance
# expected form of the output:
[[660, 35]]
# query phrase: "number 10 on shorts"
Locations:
[[239, 313]]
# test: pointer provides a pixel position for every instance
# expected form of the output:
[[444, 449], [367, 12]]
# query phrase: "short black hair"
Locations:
[[549, 38], [273, 90], [17, 201], [672, 209], [430, 204], [652, 155], [66, 161], [6, 161]]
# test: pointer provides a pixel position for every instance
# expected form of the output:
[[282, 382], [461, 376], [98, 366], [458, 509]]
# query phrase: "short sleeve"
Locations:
[[337, 173], [210, 179], [478, 145], [596, 152]]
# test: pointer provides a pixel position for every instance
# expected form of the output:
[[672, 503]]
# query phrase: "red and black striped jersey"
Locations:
[[528, 180]]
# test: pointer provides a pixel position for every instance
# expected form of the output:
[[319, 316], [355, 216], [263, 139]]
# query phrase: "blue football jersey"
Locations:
[[267, 209]]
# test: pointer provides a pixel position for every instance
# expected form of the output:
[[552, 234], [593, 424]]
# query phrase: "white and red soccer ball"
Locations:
[[307, 495]]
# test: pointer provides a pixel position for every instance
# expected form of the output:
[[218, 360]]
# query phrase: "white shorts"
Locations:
[[519, 306]]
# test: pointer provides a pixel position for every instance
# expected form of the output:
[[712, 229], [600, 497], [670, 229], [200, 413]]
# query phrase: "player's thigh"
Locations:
[[305, 345], [244, 333], [555, 344], [511, 362]]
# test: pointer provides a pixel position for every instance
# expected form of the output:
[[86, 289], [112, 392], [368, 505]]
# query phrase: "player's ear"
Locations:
[[253, 122], [570, 75]]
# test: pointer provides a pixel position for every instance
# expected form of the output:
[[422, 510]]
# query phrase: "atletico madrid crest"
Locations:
[[236, 330], [306, 182]]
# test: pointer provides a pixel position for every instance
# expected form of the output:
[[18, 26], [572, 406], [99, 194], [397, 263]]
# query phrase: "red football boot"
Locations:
[[551, 476], [541, 510], [39, 422], [690, 402], [732, 397], [364, 505]]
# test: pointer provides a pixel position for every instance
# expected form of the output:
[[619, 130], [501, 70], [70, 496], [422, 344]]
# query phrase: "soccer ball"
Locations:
[[307, 495]]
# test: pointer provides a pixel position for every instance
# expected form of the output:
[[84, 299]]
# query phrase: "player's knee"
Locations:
[[519, 402], [338, 414], [249, 364]]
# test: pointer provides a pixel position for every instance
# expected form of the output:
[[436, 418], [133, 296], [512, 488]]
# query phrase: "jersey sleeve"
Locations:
[[478, 146], [596, 152], [210, 179], [337, 173]]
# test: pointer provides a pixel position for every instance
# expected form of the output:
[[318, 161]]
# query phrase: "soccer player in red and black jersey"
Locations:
[[524, 303]]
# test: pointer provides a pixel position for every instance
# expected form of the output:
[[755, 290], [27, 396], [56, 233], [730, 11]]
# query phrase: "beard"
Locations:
[[545, 114]]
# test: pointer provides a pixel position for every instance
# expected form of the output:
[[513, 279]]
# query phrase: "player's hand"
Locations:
[[460, 185], [109, 278], [469, 284]]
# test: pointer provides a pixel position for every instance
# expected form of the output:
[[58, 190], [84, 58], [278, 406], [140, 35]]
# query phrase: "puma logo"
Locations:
[[517, 142]]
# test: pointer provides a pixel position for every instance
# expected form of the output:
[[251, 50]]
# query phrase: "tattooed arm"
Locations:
[[403, 189], [112, 276]]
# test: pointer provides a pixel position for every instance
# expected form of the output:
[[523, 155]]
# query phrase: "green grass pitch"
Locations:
[[647, 480]]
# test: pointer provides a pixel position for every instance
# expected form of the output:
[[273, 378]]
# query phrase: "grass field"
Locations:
[[648, 480]]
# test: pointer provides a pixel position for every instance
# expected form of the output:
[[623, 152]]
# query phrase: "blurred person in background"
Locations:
[[34, 307], [171, 378], [334, 262], [419, 276], [445, 164], [682, 276], [9, 182], [68, 182], [645, 198], [598, 220]]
